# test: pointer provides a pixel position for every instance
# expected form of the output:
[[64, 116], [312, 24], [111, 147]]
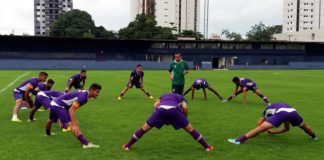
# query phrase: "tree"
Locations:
[[232, 35], [101, 32], [75, 23], [261, 32], [191, 33], [145, 27]]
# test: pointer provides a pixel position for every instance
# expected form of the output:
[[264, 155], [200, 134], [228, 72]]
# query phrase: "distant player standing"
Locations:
[[242, 86], [201, 83], [135, 79], [171, 109], [178, 69], [22, 93], [64, 107], [77, 81], [273, 116]]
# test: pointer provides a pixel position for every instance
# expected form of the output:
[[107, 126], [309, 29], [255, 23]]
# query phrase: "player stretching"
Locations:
[[201, 83], [136, 78], [172, 109], [242, 86], [22, 93], [77, 81], [64, 108], [273, 116], [43, 99]]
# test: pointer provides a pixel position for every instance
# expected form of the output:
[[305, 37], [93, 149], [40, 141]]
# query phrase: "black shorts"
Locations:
[[177, 89]]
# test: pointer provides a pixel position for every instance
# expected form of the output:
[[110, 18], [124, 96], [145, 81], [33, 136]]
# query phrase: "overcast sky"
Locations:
[[236, 15]]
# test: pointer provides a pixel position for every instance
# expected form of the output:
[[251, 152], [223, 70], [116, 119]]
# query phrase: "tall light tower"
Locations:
[[206, 18]]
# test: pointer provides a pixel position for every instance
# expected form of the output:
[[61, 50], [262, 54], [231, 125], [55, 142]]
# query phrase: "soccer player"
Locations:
[[178, 69], [22, 93], [43, 86], [242, 86], [77, 81], [273, 116], [64, 107], [135, 79], [201, 83], [171, 109], [43, 98]]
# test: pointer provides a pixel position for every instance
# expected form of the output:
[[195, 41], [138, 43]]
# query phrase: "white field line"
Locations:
[[13, 82]]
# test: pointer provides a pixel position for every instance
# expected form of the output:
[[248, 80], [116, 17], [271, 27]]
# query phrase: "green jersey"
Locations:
[[178, 69]]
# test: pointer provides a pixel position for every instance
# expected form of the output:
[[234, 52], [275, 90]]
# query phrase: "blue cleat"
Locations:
[[234, 141]]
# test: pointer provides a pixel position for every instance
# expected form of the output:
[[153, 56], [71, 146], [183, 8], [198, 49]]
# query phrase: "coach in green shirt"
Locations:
[[178, 69]]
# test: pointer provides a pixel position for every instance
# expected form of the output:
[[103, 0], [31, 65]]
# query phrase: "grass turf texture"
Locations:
[[110, 123]]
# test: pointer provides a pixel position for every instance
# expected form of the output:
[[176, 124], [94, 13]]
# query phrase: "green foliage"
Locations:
[[145, 27], [191, 33], [261, 32], [232, 35]]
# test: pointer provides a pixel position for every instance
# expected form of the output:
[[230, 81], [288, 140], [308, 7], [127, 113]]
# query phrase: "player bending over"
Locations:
[[242, 86], [22, 93], [136, 78], [77, 81], [273, 116], [171, 109], [43, 99], [64, 107], [201, 83]]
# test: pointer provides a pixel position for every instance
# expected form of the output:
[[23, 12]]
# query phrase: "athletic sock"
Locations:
[[121, 94], [313, 135], [82, 139], [199, 138], [135, 137], [264, 98], [242, 139]]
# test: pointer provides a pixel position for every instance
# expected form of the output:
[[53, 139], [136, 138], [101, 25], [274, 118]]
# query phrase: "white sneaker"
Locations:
[[224, 100], [90, 145], [15, 119], [24, 108]]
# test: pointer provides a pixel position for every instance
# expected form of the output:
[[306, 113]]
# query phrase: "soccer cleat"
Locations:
[[15, 119], [151, 97], [29, 120], [66, 129], [209, 148], [314, 139], [224, 100], [234, 141], [52, 134], [24, 108], [119, 98], [40, 110], [125, 148], [269, 104], [90, 145]]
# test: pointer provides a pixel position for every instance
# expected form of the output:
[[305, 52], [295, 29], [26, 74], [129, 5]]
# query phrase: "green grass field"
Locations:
[[110, 123]]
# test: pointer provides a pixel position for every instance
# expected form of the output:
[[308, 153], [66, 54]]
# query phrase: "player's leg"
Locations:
[[145, 91], [216, 93], [136, 136], [308, 130], [51, 119], [198, 137], [253, 133], [123, 92], [187, 91], [205, 94], [262, 96], [15, 111]]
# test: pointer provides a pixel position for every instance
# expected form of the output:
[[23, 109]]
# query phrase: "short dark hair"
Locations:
[[83, 71], [50, 81], [43, 73], [236, 79], [139, 65], [95, 86], [177, 53]]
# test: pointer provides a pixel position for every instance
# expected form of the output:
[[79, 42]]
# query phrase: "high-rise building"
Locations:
[[303, 15], [303, 20], [178, 14], [46, 11]]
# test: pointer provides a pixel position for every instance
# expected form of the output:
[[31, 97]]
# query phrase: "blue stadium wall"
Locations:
[[50, 53]]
